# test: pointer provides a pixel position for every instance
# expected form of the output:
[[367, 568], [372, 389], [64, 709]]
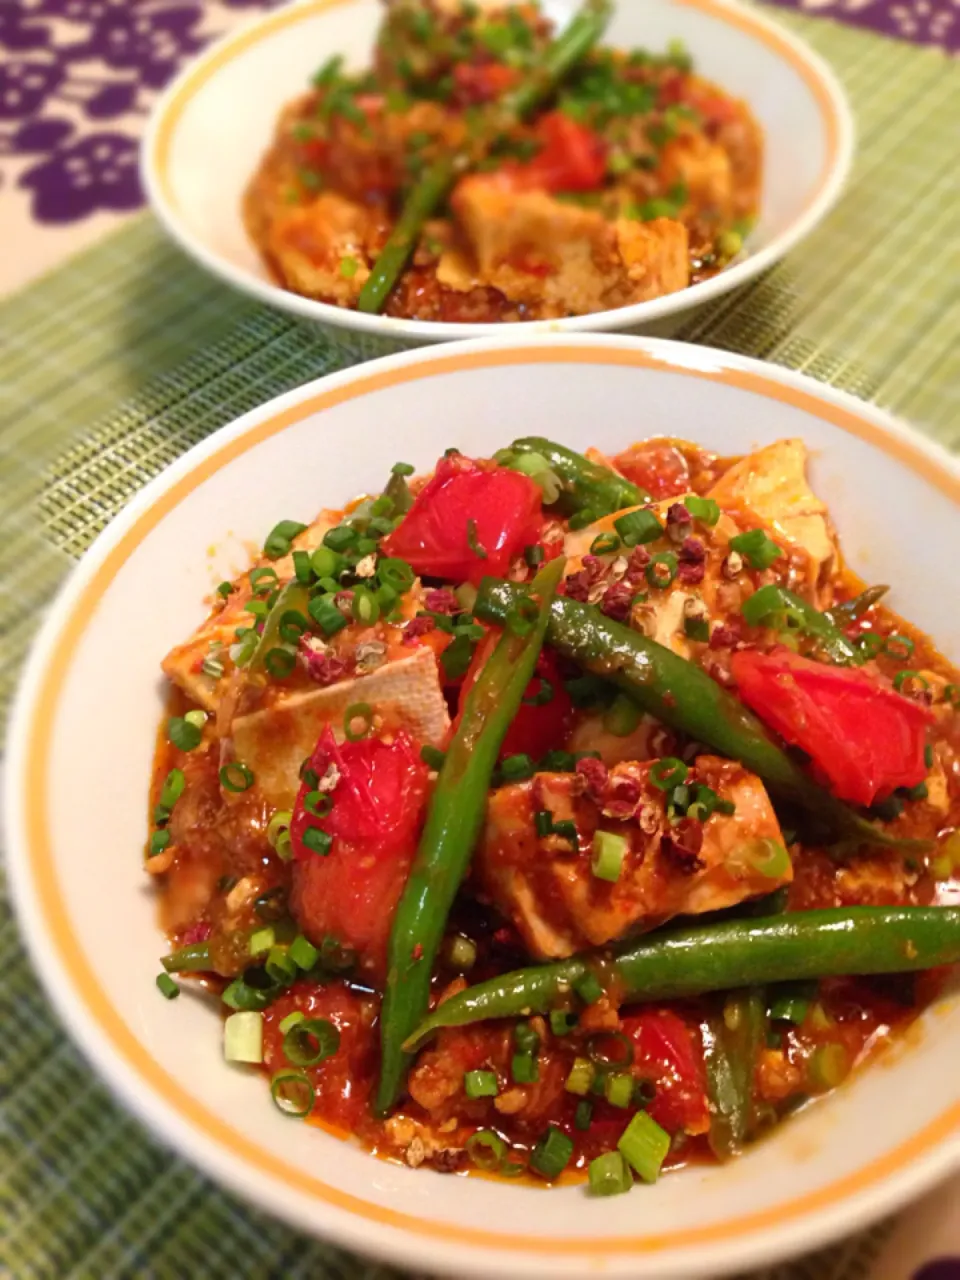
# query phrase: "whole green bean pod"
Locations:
[[773, 600], [684, 697], [454, 819], [193, 958], [676, 963], [579, 37], [586, 486]]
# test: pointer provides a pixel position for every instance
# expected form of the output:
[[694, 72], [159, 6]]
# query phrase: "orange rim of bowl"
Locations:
[[62, 939], [194, 81]]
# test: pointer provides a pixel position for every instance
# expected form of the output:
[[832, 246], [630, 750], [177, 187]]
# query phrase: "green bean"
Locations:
[[455, 816], [732, 1039], [841, 615], [773, 600], [678, 963], [193, 958], [586, 486], [684, 697]]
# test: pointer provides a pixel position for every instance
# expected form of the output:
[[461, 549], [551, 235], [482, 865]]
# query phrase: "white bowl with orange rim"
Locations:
[[212, 125], [81, 749]]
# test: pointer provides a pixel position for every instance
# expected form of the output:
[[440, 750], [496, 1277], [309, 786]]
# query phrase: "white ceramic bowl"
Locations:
[[80, 753], [212, 125]]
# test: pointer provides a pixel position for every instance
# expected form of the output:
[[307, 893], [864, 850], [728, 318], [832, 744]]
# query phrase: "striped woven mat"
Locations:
[[116, 363]]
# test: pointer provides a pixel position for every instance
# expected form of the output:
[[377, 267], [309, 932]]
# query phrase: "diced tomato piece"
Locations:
[[657, 466], [537, 727], [667, 1052], [714, 108], [468, 521], [867, 739], [351, 892], [572, 157], [482, 82]]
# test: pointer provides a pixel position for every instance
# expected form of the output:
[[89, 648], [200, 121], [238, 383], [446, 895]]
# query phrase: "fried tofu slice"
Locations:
[[275, 741], [546, 885], [560, 257], [704, 170], [213, 638], [771, 486], [308, 244]]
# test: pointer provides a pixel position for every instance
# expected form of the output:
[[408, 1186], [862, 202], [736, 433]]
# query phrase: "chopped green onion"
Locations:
[[543, 822], [661, 570], [552, 1153], [898, 647], [318, 803], [236, 777], [580, 1077], [226, 589], [791, 1001], [583, 1115], [183, 734], [763, 855], [263, 580], [357, 711], [668, 773], [604, 544], [326, 563], [317, 841], [293, 625], [542, 696], [303, 953], [759, 550], [290, 1020], [261, 940], [172, 789], [618, 1088], [696, 629], [167, 987], [457, 656], [278, 966], [533, 556], [433, 757], [869, 643], [486, 1149], [473, 541], [396, 573], [526, 1038], [365, 607], [558, 762], [566, 829], [609, 1175], [644, 1145], [463, 952], [706, 510], [213, 668], [524, 1068], [638, 526], [243, 1037], [241, 995], [159, 840], [609, 851], [340, 537], [279, 663], [310, 1042], [278, 834], [586, 690], [622, 717], [914, 681], [829, 1066], [580, 519], [279, 538], [562, 1021], [588, 988], [302, 567], [292, 1092], [349, 267], [272, 904], [326, 615], [517, 768], [197, 718], [480, 1084]]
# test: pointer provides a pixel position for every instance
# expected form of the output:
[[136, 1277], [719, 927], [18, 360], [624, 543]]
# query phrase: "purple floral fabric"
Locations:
[[930, 22], [77, 78]]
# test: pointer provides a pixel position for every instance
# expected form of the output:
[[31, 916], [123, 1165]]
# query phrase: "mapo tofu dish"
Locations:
[[559, 815], [489, 168]]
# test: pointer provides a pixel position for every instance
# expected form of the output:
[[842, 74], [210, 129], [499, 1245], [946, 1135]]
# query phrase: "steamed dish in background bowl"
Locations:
[[556, 813], [484, 168]]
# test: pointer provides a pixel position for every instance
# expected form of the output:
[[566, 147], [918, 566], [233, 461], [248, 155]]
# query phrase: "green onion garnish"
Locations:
[[172, 789], [580, 1077], [278, 833], [167, 987], [182, 734], [473, 541], [402, 469], [213, 668], [533, 556], [457, 656], [326, 615], [622, 717], [261, 940], [562, 1022], [396, 573], [668, 773], [263, 580], [325, 563], [580, 519], [583, 1115], [311, 1041], [661, 570], [302, 567], [644, 1145], [480, 1084], [898, 647], [759, 550], [604, 544], [542, 696], [317, 841], [433, 757], [609, 851], [361, 712], [552, 1153], [279, 663], [236, 777], [618, 1088], [706, 510], [196, 717], [318, 803], [279, 538], [159, 840], [609, 1175], [486, 1149], [243, 1037], [241, 995], [278, 966], [365, 607], [290, 1020], [340, 537], [558, 762], [524, 1068], [303, 953], [517, 768], [226, 589], [915, 683], [790, 1002], [292, 1092], [638, 526], [588, 988]]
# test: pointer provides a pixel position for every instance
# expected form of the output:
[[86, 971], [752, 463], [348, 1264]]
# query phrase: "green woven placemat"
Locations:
[[114, 365]]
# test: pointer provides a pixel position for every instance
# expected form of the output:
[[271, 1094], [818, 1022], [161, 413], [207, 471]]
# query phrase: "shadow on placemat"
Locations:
[[116, 364]]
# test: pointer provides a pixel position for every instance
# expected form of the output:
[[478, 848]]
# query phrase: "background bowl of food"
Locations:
[[765, 547], [668, 153]]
